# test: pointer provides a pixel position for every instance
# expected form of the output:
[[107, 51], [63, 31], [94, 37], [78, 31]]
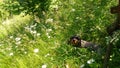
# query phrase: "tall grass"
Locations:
[[28, 42], [10, 25]]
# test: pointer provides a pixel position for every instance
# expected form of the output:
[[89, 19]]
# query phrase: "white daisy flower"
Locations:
[[49, 20], [44, 66], [36, 50], [90, 61], [17, 39], [11, 54]]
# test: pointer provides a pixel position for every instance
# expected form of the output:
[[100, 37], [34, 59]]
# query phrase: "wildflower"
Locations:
[[38, 34], [27, 28], [49, 30], [73, 10], [77, 17], [49, 20], [11, 37], [90, 61], [25, 52], [44, 66], [32, 26], [48, 36], [11, 54], [34, 32], [36, 50], [47, 55], [18, 42], [67, 66], [17, 39], [54, 7], [16, 46]]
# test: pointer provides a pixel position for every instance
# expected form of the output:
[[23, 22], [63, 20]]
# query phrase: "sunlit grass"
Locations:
[[27, 43], [10, 25]]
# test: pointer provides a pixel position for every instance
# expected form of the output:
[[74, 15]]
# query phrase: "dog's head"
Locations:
[[75, 41]]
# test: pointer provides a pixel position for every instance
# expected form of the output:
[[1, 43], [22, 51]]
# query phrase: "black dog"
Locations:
[[76, 41]]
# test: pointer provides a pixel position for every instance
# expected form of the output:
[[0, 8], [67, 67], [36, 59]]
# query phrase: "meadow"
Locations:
[[39, 39]]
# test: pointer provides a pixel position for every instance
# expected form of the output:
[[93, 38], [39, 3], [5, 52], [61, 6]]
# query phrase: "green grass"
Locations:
[[26, 42], [10, 25]]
